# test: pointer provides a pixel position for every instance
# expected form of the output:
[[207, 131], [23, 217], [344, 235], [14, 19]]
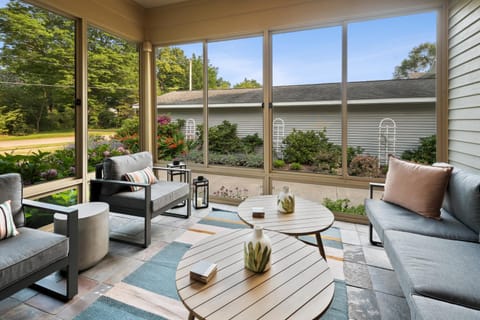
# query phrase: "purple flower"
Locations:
[[163, 119], [106, 154], [52, 173]]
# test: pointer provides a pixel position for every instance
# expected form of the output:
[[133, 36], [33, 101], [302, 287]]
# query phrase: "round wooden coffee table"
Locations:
[[309, 217], [299, 285]]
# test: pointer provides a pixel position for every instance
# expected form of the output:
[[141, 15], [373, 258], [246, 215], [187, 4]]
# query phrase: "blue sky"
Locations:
[[375, 47]]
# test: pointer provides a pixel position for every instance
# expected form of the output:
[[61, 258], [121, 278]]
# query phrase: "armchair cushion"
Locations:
[[7, 226], [163, 193], [141, 176], [419, 188], [31, 250], [114, 168]]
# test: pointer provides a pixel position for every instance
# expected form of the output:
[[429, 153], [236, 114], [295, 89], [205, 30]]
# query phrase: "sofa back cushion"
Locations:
[[11, 189], [462, 198], [419, 188], [114, 168]]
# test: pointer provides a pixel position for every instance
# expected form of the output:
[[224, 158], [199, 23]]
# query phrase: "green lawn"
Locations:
[[57, 134]]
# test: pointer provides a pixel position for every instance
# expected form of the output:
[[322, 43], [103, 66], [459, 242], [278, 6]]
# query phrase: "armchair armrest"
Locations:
[[187, 171], [72, 216], [49, 207], [120, 182], [71, 286], [375, 185]]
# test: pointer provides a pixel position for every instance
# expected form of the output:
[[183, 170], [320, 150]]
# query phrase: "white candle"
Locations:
[[199, 201]]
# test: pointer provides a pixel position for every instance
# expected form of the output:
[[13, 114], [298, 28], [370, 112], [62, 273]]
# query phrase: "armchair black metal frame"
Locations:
[[148, 214], [372, 187], [37, 279]]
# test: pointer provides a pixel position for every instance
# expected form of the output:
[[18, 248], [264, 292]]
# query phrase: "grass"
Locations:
[[57, 134], [41, 143]]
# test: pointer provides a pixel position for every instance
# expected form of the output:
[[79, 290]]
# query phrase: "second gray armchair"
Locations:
[[142, 196]]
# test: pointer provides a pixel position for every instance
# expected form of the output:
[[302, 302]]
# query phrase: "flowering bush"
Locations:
[[170, 138], [43, 166], [234, 194]]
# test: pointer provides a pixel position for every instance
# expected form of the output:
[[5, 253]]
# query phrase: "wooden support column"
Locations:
[[81, 109], [147, 107]]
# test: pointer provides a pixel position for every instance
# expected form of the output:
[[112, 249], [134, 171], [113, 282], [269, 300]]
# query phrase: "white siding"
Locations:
[[412, 123], [312, 118], [464, 84]]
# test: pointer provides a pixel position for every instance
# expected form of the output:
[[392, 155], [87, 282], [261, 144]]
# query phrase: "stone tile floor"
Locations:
[[372, 288]]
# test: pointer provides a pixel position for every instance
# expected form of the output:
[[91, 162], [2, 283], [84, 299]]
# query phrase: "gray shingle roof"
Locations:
[[384, 89]]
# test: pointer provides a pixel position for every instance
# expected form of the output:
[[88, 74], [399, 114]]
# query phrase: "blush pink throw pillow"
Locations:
[[419, 188]]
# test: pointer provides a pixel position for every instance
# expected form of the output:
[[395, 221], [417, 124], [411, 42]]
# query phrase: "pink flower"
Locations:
[[164, 119]]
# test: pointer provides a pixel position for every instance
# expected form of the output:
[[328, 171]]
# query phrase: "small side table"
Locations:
[[93, 232], [181, 176]]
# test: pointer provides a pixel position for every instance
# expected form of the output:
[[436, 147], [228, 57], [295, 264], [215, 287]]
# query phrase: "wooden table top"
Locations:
[[309, 217], [299, 284]]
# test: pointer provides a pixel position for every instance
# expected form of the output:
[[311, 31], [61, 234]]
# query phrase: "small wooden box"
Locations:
[[258, 212]]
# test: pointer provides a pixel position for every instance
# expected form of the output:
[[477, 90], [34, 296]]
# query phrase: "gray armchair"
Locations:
[[27, 258], [151, 200]]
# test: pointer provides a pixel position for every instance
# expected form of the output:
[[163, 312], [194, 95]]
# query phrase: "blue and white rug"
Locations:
[[150, 292]]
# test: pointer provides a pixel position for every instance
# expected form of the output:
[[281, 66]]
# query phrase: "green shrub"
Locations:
[[250, 160], [328, 160], [364, 166], [251, 142], [343, 205], [278, 163], [303, 146], [425, 153], [223, 138], [295, 166]]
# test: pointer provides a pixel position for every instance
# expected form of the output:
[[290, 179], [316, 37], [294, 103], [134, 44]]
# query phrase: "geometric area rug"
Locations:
[[157, 275]]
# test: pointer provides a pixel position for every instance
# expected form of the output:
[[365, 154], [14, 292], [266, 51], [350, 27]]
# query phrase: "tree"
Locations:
[[421, 60], [173, 71], [37, 56], [247, 84], [113, 78]]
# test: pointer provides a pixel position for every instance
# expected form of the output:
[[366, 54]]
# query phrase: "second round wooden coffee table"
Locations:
[[299, 285], [309, 217]]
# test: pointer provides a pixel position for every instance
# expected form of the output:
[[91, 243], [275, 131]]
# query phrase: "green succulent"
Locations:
[[287, 204], [256, 259]]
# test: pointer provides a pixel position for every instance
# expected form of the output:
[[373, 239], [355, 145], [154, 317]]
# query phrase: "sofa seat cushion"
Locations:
[[387, 216], [436, 268], [39, 249], [163, 194], [431, 309]]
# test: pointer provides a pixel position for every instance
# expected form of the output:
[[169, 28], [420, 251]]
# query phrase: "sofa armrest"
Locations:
[[375, 185]]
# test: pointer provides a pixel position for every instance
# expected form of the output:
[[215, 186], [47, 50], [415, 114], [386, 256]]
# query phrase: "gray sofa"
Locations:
[[151, 200], [27, 258], [437, 262]]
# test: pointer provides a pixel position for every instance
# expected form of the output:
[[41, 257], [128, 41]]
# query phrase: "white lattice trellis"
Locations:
[[387, 138], [278, 135]]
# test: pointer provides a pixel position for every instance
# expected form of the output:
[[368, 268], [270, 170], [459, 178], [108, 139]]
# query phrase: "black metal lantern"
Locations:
[[200, 192], [177, 175]]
